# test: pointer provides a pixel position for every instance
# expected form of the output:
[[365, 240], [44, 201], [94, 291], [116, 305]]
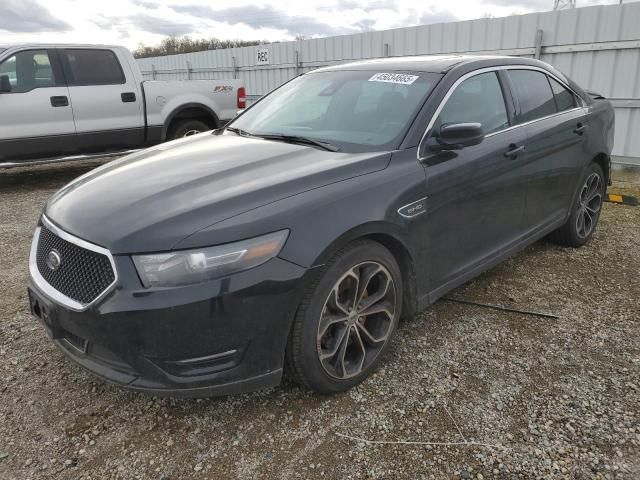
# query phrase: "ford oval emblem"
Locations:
[[54, 260]]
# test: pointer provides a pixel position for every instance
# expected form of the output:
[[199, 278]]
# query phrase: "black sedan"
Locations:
[[296, 237]]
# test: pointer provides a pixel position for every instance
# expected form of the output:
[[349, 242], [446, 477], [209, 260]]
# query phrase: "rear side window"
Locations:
[[28, 70], [534, 94], [94, 67], [477, 99], [565, 100]]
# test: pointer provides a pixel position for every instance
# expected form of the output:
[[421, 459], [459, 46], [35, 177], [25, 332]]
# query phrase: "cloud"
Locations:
[[144, 22], [145, 4], [365, 25], [365, 6], [161, 26], [528, 5], [28, 16], [264, 17], [437, 16]]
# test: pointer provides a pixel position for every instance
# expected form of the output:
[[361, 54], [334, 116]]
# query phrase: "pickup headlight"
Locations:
[[186, 267]]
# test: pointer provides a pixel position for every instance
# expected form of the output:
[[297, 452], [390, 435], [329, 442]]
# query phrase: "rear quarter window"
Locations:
[[534, 94], [565, 100], [94, 67]]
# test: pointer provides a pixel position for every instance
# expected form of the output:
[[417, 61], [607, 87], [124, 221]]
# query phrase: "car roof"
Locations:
[[56, 45], [427, 63]]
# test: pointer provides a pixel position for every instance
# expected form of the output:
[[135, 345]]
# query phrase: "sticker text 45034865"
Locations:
[[401, 78]]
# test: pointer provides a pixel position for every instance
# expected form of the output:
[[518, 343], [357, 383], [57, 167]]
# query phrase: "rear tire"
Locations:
[[346, 319], [585, 212], [186, 128]]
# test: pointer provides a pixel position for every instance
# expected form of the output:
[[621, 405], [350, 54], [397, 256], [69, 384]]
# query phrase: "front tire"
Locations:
[[585, 212], [346, 319], [186, 128]]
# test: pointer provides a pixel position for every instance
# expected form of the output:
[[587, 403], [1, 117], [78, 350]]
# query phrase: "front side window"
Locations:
[[565, 100], [534, 94], [478, 99], [93, 67], [28, 70], [354, 110]]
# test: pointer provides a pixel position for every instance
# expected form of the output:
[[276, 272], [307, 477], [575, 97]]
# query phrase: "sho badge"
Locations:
[[54, 260], [414, 208]]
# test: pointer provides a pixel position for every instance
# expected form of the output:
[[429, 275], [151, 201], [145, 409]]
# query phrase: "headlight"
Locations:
[[186, 267]]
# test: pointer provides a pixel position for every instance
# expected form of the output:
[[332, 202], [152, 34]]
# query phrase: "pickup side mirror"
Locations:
[[5, 84], [455, 136]]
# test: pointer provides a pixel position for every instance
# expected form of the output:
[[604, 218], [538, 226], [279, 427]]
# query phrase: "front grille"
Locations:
[[82, 274]]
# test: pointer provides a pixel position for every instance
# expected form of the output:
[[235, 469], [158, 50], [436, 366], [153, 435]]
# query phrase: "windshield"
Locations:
[[354, 110]]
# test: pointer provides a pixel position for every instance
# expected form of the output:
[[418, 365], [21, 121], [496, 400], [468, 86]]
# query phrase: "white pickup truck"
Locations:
[[59, 102]]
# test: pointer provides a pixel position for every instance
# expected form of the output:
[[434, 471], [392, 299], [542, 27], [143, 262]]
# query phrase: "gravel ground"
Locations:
[[550, 398]]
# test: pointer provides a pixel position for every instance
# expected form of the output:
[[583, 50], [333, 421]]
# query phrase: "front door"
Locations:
[[36, 119], [107, 106], [475, 194]]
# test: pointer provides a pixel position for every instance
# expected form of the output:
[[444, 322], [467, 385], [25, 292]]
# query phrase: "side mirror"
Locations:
[[455, 136], [5, 84]]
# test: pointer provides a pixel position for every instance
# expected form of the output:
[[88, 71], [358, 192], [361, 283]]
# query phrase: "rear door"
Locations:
[[556, 126], [36, 119], [107, 109], [476, 194]]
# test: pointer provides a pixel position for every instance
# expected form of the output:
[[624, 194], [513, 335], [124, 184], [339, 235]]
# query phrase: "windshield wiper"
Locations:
[[298, 139], [239, 131]]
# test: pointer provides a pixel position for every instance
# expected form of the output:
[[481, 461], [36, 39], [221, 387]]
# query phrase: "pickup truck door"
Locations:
[[36, 119], [107, 103]]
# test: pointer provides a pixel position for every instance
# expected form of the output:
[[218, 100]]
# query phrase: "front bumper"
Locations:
[[220, 337]]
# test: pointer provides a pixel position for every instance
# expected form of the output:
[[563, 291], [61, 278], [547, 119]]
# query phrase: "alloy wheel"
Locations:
[[357, 320], [189, 133], [589, 205]]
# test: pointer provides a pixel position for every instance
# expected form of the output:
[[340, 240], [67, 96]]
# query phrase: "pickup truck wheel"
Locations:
[[585, 212], [186, 128], [346, 319]]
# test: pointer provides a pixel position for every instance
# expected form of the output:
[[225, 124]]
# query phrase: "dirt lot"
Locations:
[[551, 398]]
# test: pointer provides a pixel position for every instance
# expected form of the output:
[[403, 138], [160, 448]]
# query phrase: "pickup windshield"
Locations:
[[357, 111]]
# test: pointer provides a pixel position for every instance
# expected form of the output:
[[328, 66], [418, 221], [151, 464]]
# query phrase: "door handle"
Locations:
[[514, 150], [580, 128], [60, 101], [128, 97]]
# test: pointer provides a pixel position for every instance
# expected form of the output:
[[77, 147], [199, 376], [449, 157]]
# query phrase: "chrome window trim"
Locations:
[[47, 288], [496, 69], [512, 127]]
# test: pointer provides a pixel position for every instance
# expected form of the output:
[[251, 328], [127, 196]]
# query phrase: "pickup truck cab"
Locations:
[[58, 101]]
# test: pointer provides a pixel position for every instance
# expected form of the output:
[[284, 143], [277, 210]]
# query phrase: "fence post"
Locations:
[[538, 44], [298, 63], [189, 70], [153, 71], [386, 49], [235, 67]]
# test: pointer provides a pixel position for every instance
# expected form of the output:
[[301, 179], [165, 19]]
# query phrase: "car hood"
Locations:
[[151, 200]]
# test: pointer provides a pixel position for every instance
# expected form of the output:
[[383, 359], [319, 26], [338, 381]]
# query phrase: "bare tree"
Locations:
[[175, 45]]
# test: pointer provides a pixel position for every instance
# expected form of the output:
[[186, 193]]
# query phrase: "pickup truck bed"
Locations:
[[60, 102]]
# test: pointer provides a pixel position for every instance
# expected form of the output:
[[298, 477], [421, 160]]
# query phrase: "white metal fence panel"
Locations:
[[597, 46]]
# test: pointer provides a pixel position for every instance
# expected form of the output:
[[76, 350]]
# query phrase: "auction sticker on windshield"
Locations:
[[401, 78]]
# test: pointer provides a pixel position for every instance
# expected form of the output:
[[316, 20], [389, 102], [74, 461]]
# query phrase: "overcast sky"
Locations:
[[129, 22]]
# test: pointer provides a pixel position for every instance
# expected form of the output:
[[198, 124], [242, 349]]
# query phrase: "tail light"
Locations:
[[242, 98]]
